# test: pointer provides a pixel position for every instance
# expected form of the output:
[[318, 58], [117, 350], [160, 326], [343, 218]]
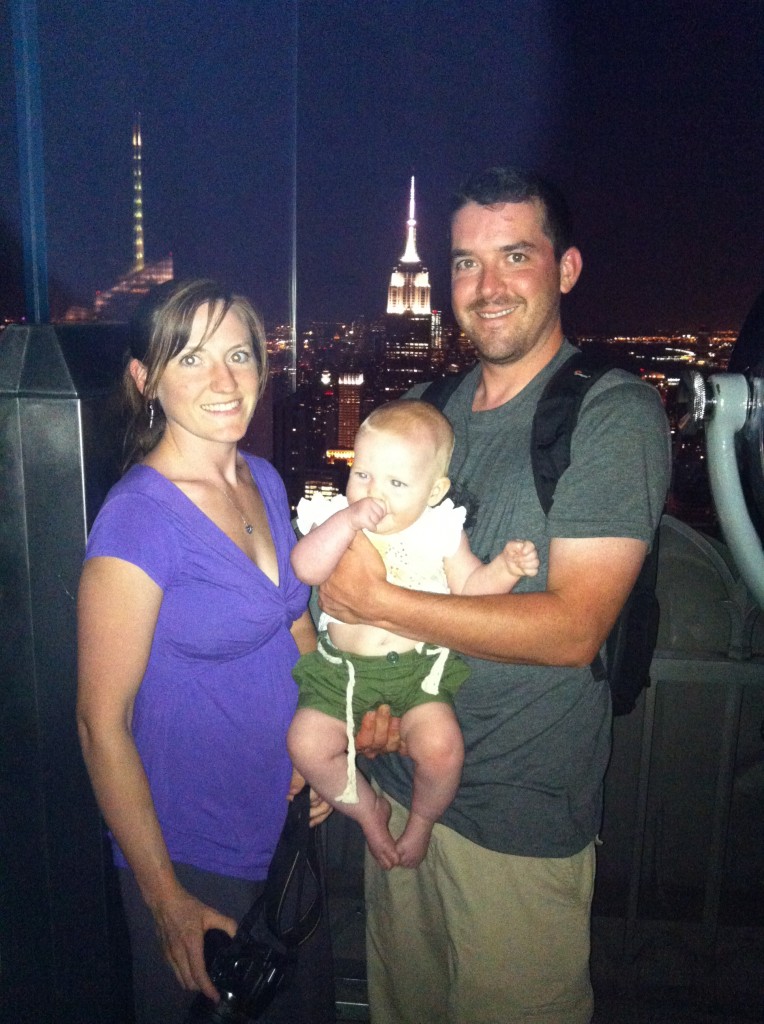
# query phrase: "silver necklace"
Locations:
[[247, 526]]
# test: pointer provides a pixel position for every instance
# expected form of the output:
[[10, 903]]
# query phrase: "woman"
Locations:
[[190, 620]]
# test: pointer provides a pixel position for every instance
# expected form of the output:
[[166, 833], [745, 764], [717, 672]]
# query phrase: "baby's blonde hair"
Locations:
[[412, 419]]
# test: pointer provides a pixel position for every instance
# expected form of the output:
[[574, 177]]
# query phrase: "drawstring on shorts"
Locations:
[[430, 684]]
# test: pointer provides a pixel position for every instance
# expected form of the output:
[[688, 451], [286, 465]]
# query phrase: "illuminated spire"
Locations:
[[410, 255], [137, 195], [409, 289]]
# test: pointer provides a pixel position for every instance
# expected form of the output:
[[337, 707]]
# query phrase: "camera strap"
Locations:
[[291, 900], [249, 969]]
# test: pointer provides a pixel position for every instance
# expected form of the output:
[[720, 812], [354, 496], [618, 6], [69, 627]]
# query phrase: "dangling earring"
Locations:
[[151, 414]]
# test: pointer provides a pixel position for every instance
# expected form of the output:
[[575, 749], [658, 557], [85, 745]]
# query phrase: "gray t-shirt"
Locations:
[[537, 738]]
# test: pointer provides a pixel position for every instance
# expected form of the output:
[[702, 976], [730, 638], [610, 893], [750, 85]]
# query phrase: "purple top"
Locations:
[[212, 713]]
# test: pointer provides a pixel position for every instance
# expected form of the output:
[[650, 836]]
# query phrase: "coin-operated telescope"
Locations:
[[730, 408]]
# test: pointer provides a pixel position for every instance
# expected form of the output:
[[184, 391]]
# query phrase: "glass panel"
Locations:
[[214, 96], [11, 257]]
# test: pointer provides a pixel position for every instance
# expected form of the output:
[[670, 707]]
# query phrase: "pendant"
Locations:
[[248, 527]]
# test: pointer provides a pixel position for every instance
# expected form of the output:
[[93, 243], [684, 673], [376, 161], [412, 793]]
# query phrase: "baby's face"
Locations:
[[399, 473]]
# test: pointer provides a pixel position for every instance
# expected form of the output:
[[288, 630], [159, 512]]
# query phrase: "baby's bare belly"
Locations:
[[367, 640]]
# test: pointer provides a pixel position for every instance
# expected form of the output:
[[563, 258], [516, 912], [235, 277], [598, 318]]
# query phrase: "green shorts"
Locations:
[[392, 678]]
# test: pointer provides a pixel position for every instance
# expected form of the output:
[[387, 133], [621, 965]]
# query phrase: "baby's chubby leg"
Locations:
[[435, 744], [317, 745]]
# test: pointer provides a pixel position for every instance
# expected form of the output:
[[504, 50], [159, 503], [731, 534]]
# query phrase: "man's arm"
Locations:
[[587, 584], [588, 578]]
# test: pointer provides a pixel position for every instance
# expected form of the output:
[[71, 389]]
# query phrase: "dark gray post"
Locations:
[[62, 958]]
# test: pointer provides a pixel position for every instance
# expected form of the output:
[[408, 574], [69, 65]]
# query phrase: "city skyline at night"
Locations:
[[303, 123]]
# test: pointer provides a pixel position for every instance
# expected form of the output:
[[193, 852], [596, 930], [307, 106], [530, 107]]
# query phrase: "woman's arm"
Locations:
[[304, 633], [118, 607], [316, 555]]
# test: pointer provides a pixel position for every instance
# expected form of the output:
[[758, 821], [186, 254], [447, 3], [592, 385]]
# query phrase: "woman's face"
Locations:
[[209, 391]]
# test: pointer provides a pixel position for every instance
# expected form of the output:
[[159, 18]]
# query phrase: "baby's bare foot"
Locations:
[[380, 841], [413, 843]]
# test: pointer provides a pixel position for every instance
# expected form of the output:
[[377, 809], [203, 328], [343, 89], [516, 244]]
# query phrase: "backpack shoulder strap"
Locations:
[[555, 420], [439, 391], [634, 637]]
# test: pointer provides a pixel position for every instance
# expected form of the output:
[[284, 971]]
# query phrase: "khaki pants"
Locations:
[[476, 937]]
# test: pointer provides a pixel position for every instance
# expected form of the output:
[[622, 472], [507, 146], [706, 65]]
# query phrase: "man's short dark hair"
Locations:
[[514, 185]]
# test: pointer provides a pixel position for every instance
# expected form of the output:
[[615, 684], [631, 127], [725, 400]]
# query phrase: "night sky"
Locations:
[[648, 114]]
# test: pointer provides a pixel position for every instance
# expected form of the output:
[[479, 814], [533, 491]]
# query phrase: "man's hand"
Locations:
[[379, 733], [366, 513], [348, 593]]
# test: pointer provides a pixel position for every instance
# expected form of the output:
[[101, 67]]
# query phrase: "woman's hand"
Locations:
[[181, 921], [319, 808]]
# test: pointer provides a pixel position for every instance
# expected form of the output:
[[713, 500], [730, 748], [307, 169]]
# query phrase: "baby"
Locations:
[[394, 493]]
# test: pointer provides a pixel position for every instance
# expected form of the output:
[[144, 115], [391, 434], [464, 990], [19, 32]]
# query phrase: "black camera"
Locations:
[[246, 971], [251, 968]]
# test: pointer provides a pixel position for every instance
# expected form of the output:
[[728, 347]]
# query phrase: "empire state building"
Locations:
[[409, 290], [408, 323]]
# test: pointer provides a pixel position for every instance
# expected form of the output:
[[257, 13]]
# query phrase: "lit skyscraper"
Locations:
[[349, 411], [408, 323], [118, 302], [409, 290], [137, 195]]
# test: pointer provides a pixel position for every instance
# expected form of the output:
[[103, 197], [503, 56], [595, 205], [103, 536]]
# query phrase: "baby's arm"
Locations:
[[466, 574], [315, 556]]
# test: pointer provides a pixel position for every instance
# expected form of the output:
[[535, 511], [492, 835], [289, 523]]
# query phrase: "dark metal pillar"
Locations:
[[60, 438]]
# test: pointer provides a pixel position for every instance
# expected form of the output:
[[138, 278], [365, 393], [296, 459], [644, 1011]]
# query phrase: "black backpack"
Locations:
[[631, 642]]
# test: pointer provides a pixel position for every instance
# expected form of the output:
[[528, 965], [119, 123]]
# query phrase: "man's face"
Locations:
[[505, 280]]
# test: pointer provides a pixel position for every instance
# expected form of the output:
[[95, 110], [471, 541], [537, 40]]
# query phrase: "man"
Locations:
[[494, 925]]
